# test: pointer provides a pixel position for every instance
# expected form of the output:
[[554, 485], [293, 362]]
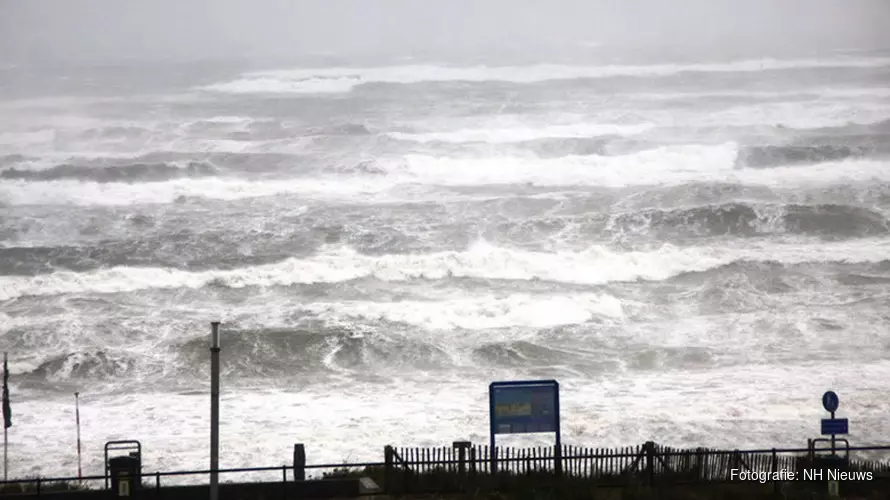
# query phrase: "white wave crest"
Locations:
[[413, 177], [597, 265], [476, 313], [270, 85], [342, 79], [520, 134], [66, 192], [647, 167]]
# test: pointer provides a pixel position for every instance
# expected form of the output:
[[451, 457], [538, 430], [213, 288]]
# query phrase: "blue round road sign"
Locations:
[[830, 401]]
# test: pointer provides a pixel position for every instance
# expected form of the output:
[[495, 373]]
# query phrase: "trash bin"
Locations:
[[125, 472]]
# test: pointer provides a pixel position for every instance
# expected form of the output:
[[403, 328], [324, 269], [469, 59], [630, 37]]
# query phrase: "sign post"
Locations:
[[833, 426], [524, 407]]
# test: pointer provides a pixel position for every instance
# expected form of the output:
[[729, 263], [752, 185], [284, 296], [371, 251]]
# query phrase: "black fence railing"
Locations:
[[450, 469]]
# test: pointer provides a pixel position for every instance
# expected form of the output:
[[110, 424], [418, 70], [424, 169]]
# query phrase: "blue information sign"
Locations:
[[523, 407], [834, 426], [830, 401]]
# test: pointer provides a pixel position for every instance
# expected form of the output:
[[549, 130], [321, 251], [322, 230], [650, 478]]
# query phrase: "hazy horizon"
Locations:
[[97, 31]]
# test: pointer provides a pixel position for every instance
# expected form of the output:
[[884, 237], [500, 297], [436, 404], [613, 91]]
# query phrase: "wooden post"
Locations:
[[461, 455], [387, 469], [774, 467], [557, 459], [650, 461], [299, 462], [473, 460]]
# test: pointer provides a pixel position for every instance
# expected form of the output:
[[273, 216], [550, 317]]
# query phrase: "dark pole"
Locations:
[[832, 437], [77, 417], [214, 410], [493, 457]]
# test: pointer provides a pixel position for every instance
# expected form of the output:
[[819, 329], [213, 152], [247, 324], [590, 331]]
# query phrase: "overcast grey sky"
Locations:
[[97, 30]]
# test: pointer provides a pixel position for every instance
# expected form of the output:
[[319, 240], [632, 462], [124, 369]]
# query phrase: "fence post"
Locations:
[[700, 463], [299, 462], [557, 459], [387, 470], [158, 483], [650, 461], [284, 481], [774, 467], [473, 460], [461, 455]]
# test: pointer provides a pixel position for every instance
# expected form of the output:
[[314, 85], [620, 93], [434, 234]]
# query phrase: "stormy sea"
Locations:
[[695, 249]]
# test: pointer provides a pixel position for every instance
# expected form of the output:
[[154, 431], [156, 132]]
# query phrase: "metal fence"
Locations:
[[649, 461], [453, 468]]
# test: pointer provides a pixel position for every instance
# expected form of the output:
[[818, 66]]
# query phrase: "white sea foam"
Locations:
[[354, 422], [66, 192], [816, 91], [597, 265], [338, 80], [527, 133], [477, 313], [798, 115], [676, 167], [271, 85], [633, 120], [670, 165]]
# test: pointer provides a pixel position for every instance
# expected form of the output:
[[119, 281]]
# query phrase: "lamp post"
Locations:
[[214, 410]]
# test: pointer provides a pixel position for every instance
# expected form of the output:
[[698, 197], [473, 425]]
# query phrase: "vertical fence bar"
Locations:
[[650, 461], [471, 458], [284, 482]]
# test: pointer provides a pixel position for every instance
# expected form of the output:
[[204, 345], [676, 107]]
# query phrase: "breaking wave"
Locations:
[[85, 365], [341, 80], [219, 246], [743, 219], [315, 349], [596, 265], [506, 135], [134, 172], [772, 156]]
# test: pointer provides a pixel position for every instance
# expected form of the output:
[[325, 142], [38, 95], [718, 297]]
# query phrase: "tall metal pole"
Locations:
[[833, 453], [5, 395], [214, 410], [77, 416]]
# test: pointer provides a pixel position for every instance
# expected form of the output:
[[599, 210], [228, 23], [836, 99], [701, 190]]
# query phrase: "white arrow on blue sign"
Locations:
[[830, 401]]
